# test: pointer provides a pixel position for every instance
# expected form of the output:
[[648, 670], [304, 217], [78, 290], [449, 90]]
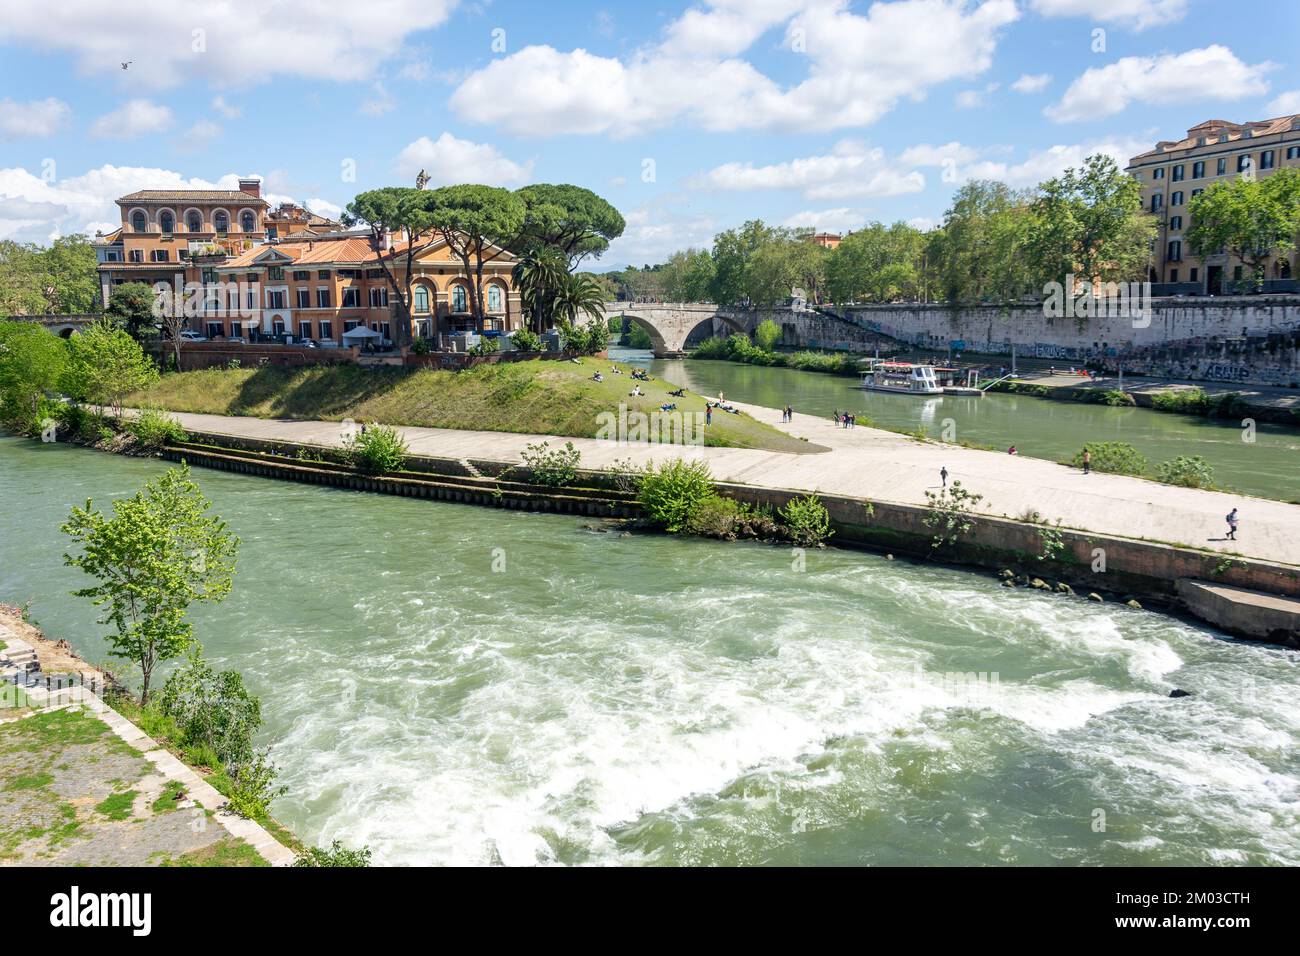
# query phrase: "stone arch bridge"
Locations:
[[669, 324], [63, 325]]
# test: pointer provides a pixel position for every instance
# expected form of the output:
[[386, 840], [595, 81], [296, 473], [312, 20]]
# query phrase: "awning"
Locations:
[[361, 332]]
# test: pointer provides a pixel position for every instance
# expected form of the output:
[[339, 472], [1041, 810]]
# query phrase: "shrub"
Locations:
[[806, 521], [421, 347], [485, 346], [949, 513], [154, 428], [212, 711], [714, 517], [714, 348], [526, 340], [376, 450], [1113, 457], [1115, 398], [767, 335], [1189, 471], [552, 467], [672, 493], [252, 787], [624, 475], [334, 855]]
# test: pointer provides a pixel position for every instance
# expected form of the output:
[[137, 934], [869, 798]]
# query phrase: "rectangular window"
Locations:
[[322, 274], [1175, 251], [1158, 173], [1243, 162], [1198, 170], [275, 272], [327, 330], [1175, 223], [159, 255], [275, 299], [251, 277], [1266, 159], [252, 300], [1156, 202], [301, 275], [1195, 273], [1222, 166], [351, 297], [378, 298], [1293, 152], [374, 273], [304, 330], [322, 298], [1173, 275], [1176, 199], [277, 328], [1178, 173], [1197, 192], [209, 276], [304, 298], [347, 273], [421, 299], [1236, 273], [349, 325], [136, 255], [215, 329]]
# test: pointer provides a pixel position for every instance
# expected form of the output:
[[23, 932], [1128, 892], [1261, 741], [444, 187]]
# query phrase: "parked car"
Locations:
[[189, 335], [237, 339]]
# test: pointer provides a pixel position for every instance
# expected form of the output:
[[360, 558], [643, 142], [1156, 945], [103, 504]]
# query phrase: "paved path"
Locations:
[[1260, 395], [884, 466]]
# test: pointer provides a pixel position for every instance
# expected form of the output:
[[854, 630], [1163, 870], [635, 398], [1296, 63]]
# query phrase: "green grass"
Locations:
[[534, 397], [167, 799], [224, 852], [33, 781], [118, 806]]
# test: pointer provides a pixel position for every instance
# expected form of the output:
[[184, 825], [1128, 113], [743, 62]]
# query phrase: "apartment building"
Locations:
[[270, 275], [1176, 170]]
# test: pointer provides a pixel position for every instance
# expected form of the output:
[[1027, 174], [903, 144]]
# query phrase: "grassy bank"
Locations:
[[738, 348], [544, 398]]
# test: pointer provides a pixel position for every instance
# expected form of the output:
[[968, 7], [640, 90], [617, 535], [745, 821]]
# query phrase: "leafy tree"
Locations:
[[767, 335], [22, 284], [573, 220], [732, 251], [131, 306], [1253, 219], [32, 360], [158, 553], [877, 263], [477, 223], [105, 365], [399, 217], [1089, 222], [212, 710], [60, 279], [579, 295]]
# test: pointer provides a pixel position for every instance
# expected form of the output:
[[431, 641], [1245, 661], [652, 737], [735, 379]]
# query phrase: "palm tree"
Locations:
[[539, 275], [580, 295]]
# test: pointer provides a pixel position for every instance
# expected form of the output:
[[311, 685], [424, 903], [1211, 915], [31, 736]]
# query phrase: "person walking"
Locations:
[[1087, 462], [1232, 524], [943, 475], [708, 414]]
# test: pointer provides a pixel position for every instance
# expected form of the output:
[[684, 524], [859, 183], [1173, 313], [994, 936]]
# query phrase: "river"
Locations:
[[1039, 428], [652, 700]]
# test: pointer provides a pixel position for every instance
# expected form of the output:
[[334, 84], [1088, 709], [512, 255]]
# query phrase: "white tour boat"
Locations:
[[901, 377]]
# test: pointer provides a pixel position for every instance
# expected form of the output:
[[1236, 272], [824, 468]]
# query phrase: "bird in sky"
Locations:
[[127, 63]]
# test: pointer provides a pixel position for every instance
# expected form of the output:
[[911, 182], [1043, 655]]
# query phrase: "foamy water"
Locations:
[[649, 700]]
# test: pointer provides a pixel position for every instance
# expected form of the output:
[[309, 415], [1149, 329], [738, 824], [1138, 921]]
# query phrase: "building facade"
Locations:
[[243, 272], [1176, 170]]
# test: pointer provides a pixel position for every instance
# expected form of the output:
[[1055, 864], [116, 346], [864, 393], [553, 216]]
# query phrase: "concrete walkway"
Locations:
[[884, 466]]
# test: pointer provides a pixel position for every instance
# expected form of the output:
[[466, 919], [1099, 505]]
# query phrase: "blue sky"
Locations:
[[690, 118]]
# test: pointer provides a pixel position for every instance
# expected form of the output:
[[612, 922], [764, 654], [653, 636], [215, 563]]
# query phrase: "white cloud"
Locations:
[[842, 219], [133, 118], [34, 208], [924, 154], [452, 160], [1136, 14], [1046, 163], [37, 118], [657, 230], [859, 66], [969, 99], [851, 169], [924, 223], [200, 136], [242, 42], [323, 207], [380, 103], [219, 105], [1284, 103], [1031, 82], [1210, 73]]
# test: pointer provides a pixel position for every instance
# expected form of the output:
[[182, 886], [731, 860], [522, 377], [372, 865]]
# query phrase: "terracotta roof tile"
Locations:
[[193, 195], [1279, 124]]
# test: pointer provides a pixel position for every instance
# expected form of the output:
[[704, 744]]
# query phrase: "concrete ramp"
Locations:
[[1252, 614]]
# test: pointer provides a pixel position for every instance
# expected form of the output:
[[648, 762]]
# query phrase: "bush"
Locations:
[[376, 450], [1189, 471], [806, 521], [672, 493], [1115, 398], [83, 423], [552, 467], [421, 347], [714, 348], [1113, 457], [335, 855], [485, 346], [714, 517], [252, 787], [154, 428], [211, 711], [767, 335], [526, 340]]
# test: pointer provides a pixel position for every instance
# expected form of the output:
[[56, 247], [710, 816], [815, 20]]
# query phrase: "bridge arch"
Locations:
[[668, 324]]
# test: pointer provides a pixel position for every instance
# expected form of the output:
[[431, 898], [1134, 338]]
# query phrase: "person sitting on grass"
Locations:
[[679, 393], [636, 391], [598, 377]]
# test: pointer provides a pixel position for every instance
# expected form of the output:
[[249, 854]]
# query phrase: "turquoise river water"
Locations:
[[651, 700]]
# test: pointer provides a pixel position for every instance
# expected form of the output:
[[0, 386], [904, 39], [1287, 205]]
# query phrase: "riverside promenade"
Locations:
[[883, 466]]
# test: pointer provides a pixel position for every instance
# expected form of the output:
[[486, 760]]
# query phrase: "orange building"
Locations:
[[254, 274]]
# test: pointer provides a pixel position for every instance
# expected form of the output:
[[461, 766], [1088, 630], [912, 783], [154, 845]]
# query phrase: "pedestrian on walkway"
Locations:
[[943, 475], [1232, 524], [708, 414], [1087, 462]]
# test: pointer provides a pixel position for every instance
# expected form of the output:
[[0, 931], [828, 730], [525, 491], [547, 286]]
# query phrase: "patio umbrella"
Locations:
[[361, 332]]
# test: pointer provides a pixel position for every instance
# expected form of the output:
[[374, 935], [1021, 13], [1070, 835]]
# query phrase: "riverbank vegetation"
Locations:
[[534, 397], [738, 348], [1121, 458]]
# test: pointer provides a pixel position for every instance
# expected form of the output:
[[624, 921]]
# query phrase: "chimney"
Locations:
[[386, 240], [251, 186]]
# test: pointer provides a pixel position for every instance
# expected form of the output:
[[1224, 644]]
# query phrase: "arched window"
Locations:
[[167, 222], [221, 221], [495, 302], [421, 299], [137, 221], [247, 221], [459, 299], [193, 221]]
